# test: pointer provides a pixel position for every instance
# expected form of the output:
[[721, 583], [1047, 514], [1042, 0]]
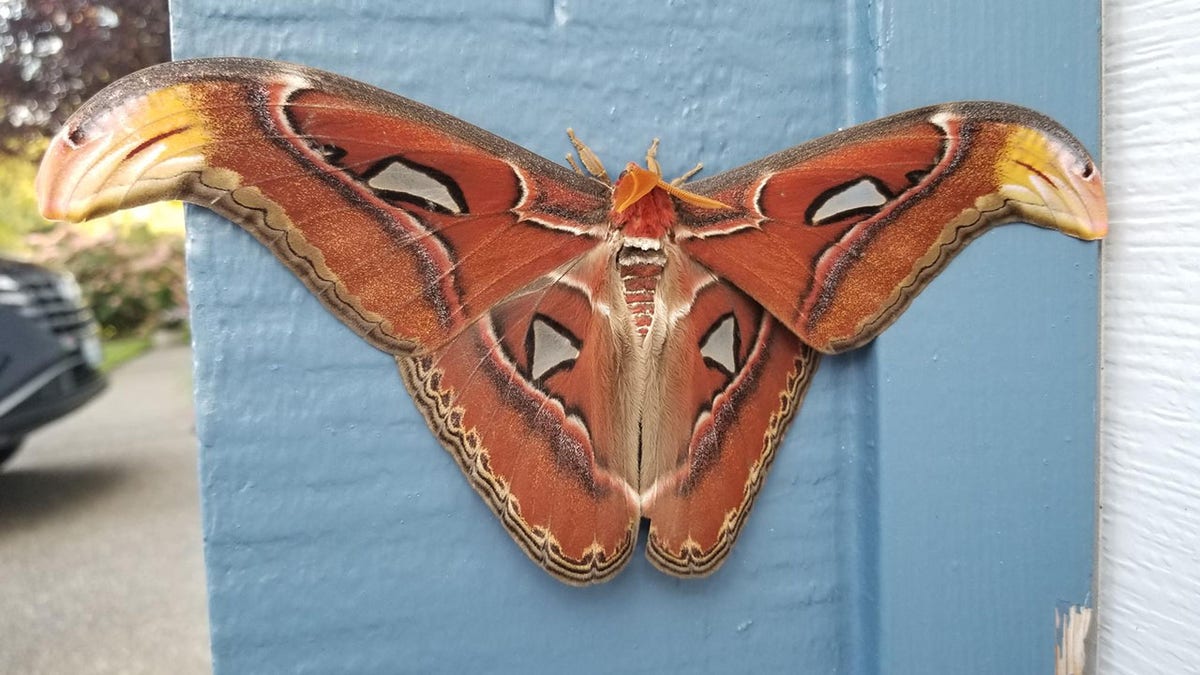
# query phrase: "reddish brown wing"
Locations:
[[727, 384], [470, 259], [837, 236], [527, 400], [406, 222]]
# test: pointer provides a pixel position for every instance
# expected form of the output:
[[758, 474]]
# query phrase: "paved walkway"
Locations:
[[100, 560]]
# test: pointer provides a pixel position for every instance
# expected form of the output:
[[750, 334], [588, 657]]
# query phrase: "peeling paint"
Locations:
[[1071, 629]]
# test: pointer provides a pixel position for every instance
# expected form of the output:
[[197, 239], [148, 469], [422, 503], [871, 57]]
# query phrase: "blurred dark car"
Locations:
[[49, 350]]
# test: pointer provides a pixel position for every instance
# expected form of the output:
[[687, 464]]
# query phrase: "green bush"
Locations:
[[131, 276], [18, 206]]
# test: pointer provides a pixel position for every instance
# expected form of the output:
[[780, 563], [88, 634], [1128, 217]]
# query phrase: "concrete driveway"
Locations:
[[101, 568]]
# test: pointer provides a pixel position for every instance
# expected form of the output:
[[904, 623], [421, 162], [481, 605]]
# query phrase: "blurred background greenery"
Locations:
[[54, 54]]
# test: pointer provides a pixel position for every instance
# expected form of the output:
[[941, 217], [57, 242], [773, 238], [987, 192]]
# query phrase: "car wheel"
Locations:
[[9, 447]]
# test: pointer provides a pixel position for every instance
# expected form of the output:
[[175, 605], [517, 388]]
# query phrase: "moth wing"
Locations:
[[470, 259], [406, 222], [837, 236], [526, 399], [720, 397]]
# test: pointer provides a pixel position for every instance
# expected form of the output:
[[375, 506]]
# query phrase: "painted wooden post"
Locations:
[[933, 503]]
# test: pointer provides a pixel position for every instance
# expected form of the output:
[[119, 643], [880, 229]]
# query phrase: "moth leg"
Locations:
[[687, 176], [590, 161], [571, 161], [653, 165], [652, 158]]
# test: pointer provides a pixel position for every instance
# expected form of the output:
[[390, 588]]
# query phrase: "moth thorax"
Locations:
[[640, 270], [650, 217]]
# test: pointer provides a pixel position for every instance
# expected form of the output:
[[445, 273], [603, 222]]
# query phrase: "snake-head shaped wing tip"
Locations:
[[139, 146], [1043, 173], [1053, 184]]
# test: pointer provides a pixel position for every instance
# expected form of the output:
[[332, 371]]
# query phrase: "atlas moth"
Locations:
[[641, 352]]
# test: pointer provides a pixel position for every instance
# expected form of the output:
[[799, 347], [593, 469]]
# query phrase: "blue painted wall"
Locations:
[[933, 501]]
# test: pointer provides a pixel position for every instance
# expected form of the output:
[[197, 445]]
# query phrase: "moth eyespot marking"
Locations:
[[719, 346], [860, 196], [76, 137], [396, 179], [550, 348]]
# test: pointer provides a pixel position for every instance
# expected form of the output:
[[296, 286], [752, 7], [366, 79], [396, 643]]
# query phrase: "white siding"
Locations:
[[1149, 582]]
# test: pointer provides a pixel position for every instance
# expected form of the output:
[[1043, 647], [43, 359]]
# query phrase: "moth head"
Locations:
[[634, 183]]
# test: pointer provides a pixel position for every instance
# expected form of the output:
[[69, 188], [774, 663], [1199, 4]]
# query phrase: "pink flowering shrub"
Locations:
[[132, 277]]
